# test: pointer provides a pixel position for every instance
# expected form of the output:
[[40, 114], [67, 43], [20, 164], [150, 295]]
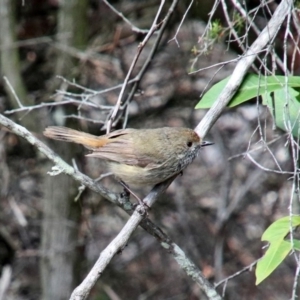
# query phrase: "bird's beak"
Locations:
[[206, 143]]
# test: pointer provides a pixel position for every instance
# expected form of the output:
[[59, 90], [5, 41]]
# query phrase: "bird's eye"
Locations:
[[189, 144]]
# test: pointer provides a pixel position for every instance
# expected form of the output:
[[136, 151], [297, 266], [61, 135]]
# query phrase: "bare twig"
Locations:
[[181, 22], [5, 280], [239, 7], [83, 118], [52, 104], [233, 31], [133, 27], [151, 54], [134, 61], [13, 91], [247, 268], [90, 92], [17, 212], [267, 169], [243, 154], [221, 64]]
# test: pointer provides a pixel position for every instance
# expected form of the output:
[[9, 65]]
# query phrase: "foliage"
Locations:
[[216, 30], [238, 22], [279, 93], [280, 246]]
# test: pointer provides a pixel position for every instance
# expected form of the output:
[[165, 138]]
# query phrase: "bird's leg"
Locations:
[[128, 190], [125, 193]]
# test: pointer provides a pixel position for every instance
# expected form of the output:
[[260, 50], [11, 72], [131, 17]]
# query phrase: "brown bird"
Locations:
[[138, 156]]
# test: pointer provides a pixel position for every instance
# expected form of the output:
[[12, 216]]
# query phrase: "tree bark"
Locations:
[[11, 66], [61, 213]]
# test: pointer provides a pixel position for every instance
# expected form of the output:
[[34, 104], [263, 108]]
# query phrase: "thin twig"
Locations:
[[134, 61], [12, 91], [180, 24], [239, 7], [247, 268], [52, 104], [151, 54], [133, 27], [267, 169]]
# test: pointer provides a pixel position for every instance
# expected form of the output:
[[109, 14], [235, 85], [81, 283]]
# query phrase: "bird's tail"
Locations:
[[70, 135]]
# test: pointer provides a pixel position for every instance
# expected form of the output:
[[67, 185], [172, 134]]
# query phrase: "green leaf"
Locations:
[[285, 109], [252, 86], [280, 228], [296, 244], [279, 248], [274, 256]]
